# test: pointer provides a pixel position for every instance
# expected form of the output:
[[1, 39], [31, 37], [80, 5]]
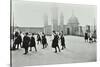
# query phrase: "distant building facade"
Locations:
[[71, 28]]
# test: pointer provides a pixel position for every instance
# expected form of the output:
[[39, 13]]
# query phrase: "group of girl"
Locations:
[[90, 37], [55, 41], [28, 41]]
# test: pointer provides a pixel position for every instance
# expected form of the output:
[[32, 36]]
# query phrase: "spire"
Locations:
[[55, 18], [73, 12], [61, 19]]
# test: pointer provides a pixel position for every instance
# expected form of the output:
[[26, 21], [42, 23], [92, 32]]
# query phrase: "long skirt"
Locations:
[[54, 44]]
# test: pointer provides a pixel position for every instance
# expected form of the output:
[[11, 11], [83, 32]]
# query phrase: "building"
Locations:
[[61, 26], [72, 27], [54, 19]]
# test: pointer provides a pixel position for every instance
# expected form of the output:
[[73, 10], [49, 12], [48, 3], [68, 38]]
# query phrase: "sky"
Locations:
[[31, 14]]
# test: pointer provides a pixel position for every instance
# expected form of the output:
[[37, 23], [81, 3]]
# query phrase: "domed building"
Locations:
[[72, 26], [73, 20]]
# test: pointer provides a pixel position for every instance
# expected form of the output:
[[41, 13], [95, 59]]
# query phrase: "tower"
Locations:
[[61, 22], [54, 18]]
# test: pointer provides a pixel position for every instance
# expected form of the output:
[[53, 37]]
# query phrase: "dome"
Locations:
[[73, 19]]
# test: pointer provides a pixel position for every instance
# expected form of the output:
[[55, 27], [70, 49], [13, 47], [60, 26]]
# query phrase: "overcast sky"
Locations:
[[31, 14]]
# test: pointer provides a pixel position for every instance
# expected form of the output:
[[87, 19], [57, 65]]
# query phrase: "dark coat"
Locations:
[[38, 38], [62, 41], [55, 41], [44, 40], [18, 39], [86, 36], [26, 41], [32, 42], [16, 34]]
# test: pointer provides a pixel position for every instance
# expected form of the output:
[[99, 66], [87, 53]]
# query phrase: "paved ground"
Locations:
[[77, 51]]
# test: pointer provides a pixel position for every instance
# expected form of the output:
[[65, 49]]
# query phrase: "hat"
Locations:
[[53, 31], [32, 33], [26, 33]]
